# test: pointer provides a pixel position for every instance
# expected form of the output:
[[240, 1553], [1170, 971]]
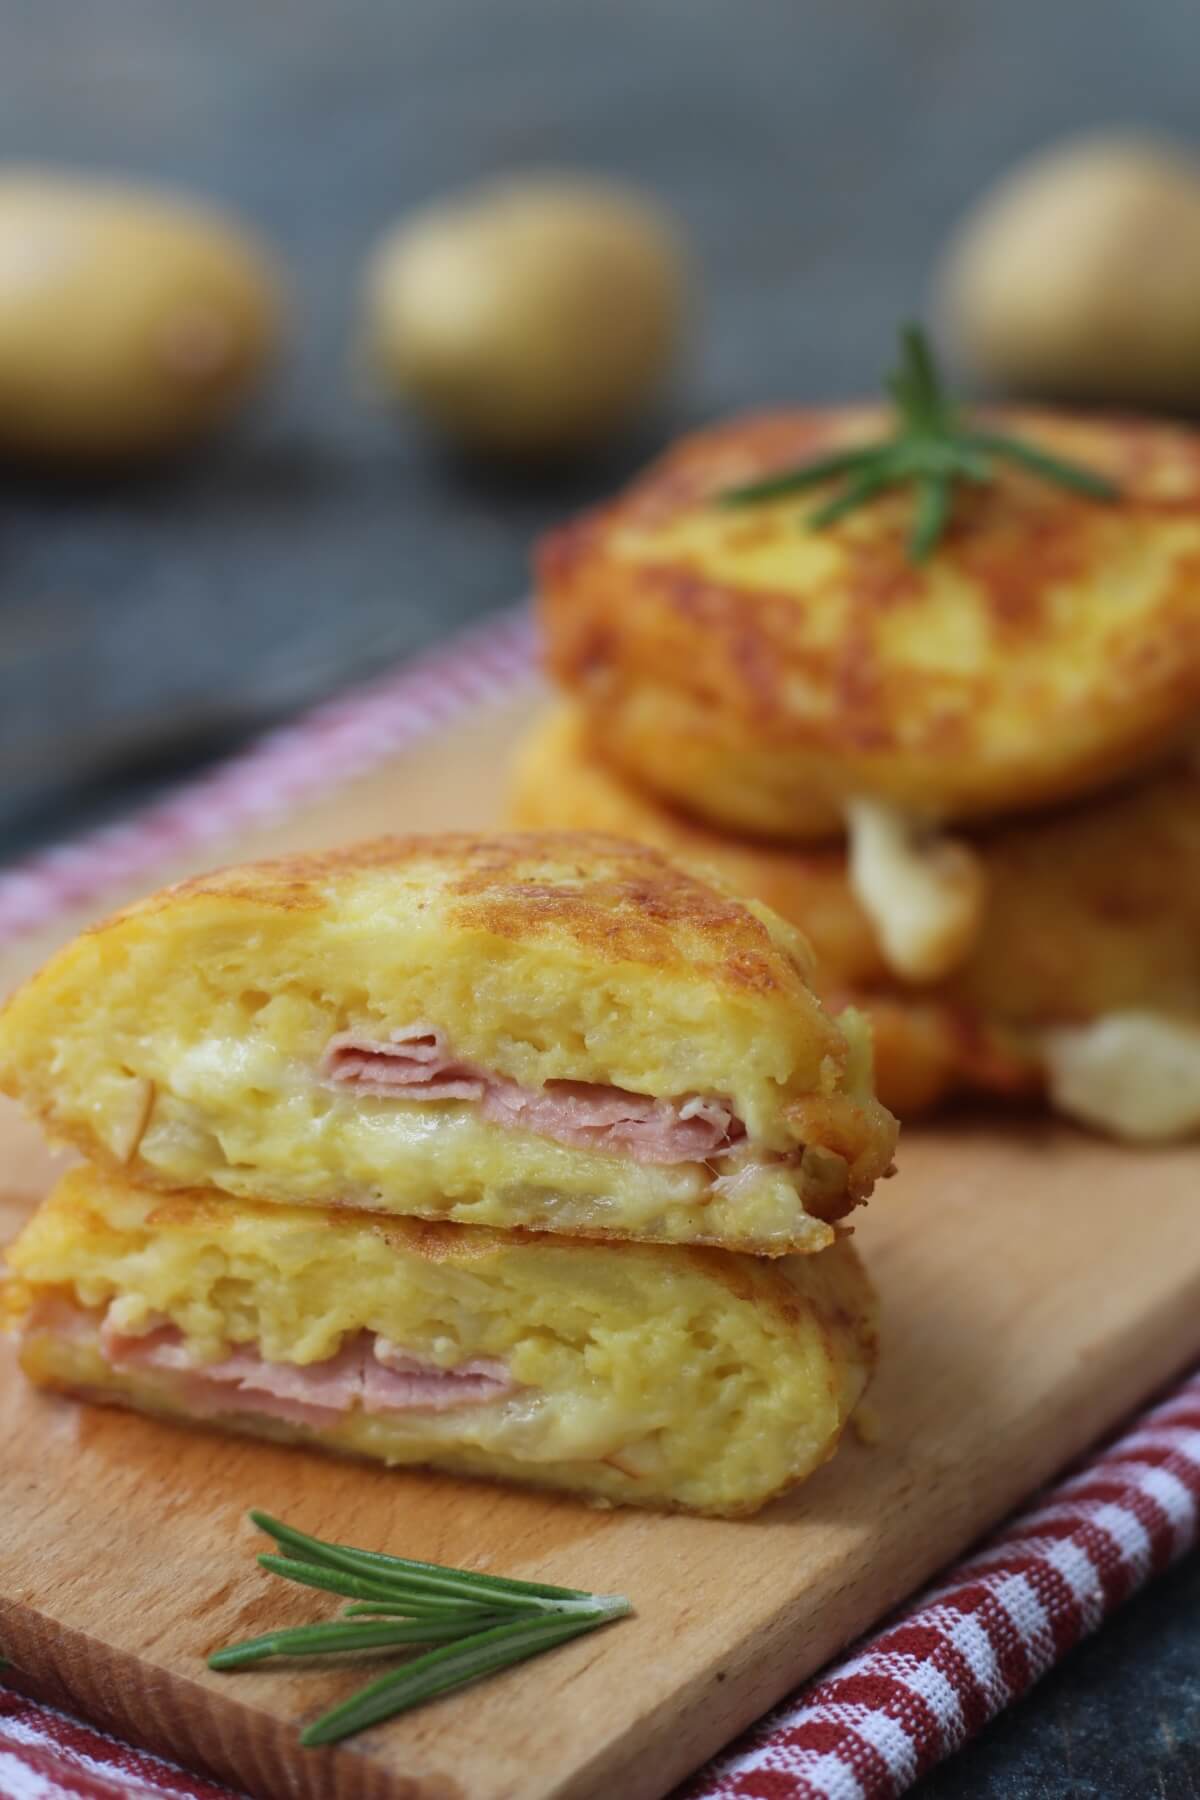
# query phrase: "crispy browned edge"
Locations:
[[618, 899]]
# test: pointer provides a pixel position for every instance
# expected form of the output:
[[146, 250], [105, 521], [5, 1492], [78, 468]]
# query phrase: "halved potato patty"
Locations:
[[562, 1032], [652, 1375], [762, 673]]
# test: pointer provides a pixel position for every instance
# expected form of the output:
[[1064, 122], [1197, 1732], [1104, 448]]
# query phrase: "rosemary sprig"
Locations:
[[932, 447], [478, 1624], [320, 1640]]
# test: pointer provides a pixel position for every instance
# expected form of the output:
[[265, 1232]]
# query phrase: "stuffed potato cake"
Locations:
[[762, 674], [561, 1032], [655, 1376]]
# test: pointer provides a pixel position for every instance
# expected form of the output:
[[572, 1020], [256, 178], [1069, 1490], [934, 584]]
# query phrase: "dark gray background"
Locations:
[[817, 150]]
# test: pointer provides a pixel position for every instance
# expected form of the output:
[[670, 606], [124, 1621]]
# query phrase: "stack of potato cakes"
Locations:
[[971, 780]]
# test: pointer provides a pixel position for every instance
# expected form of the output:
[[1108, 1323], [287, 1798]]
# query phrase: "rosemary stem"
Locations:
[[418, 1609]]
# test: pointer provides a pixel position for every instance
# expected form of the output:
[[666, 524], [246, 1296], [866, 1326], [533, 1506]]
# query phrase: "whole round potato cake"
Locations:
[[762, 672]]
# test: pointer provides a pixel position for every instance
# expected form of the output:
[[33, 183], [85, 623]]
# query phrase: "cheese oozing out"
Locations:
[[1135, 1075], [924, 894]]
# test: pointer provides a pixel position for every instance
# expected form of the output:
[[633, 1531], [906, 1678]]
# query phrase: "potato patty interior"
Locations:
[[658, 1376], [190, 1039]]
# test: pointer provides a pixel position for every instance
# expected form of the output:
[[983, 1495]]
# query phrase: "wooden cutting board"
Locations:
[[1036, 1286]]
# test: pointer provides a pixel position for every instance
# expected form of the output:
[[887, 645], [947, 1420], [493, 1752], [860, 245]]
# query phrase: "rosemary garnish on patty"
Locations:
[[933, 446]]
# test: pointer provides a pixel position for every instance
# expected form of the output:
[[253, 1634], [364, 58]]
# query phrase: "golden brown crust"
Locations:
[[616, 899], [1095, 908], [757, 672]]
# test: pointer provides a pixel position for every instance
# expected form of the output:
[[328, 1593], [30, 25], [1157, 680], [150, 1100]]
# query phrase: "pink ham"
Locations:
[[416, 1063], [368, 1371], [413, 1058]]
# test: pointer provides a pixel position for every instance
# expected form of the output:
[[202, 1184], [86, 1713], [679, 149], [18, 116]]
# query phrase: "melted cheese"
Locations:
[[1135, 1075], [924, 895]]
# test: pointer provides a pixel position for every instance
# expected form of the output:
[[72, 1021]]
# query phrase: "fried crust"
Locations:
[[618, 900], [758, 672]]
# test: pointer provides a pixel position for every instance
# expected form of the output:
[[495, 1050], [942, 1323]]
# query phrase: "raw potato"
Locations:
[[529, 316], [1079, 275], [130, 321]]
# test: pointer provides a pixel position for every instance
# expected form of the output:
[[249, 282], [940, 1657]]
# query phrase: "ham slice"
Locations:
[[368, 1372], [416, 1063]]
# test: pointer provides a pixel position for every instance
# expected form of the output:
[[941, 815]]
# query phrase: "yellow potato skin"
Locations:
[[758, 672], [666, 1377], [131, 321], [182, 1038], [1078, 274], [533, 315], [1091, 910]]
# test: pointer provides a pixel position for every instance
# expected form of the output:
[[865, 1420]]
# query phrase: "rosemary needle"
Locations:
[[321, 1640], [332, 1581], [441, 1671], [476, 1624], [931, 448], [429, 1578]]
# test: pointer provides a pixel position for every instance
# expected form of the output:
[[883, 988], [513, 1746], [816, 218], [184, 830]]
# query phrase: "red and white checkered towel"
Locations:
[[905, 1698]]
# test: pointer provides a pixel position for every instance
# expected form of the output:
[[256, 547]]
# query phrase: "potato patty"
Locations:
[[761, 673]]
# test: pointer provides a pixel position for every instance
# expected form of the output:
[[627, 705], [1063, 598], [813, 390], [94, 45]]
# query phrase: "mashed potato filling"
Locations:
[[655, 1375], [256, 1122]]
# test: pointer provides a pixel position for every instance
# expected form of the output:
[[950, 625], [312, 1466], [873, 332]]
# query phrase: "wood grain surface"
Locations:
[[1036, 1285]]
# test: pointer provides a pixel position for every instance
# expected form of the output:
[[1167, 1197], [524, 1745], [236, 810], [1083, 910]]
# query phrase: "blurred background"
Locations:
[[816, 159], [814, 156]]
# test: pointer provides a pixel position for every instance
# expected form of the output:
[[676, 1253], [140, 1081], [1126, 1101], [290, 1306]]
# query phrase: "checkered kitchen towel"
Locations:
[[870, 1725]]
